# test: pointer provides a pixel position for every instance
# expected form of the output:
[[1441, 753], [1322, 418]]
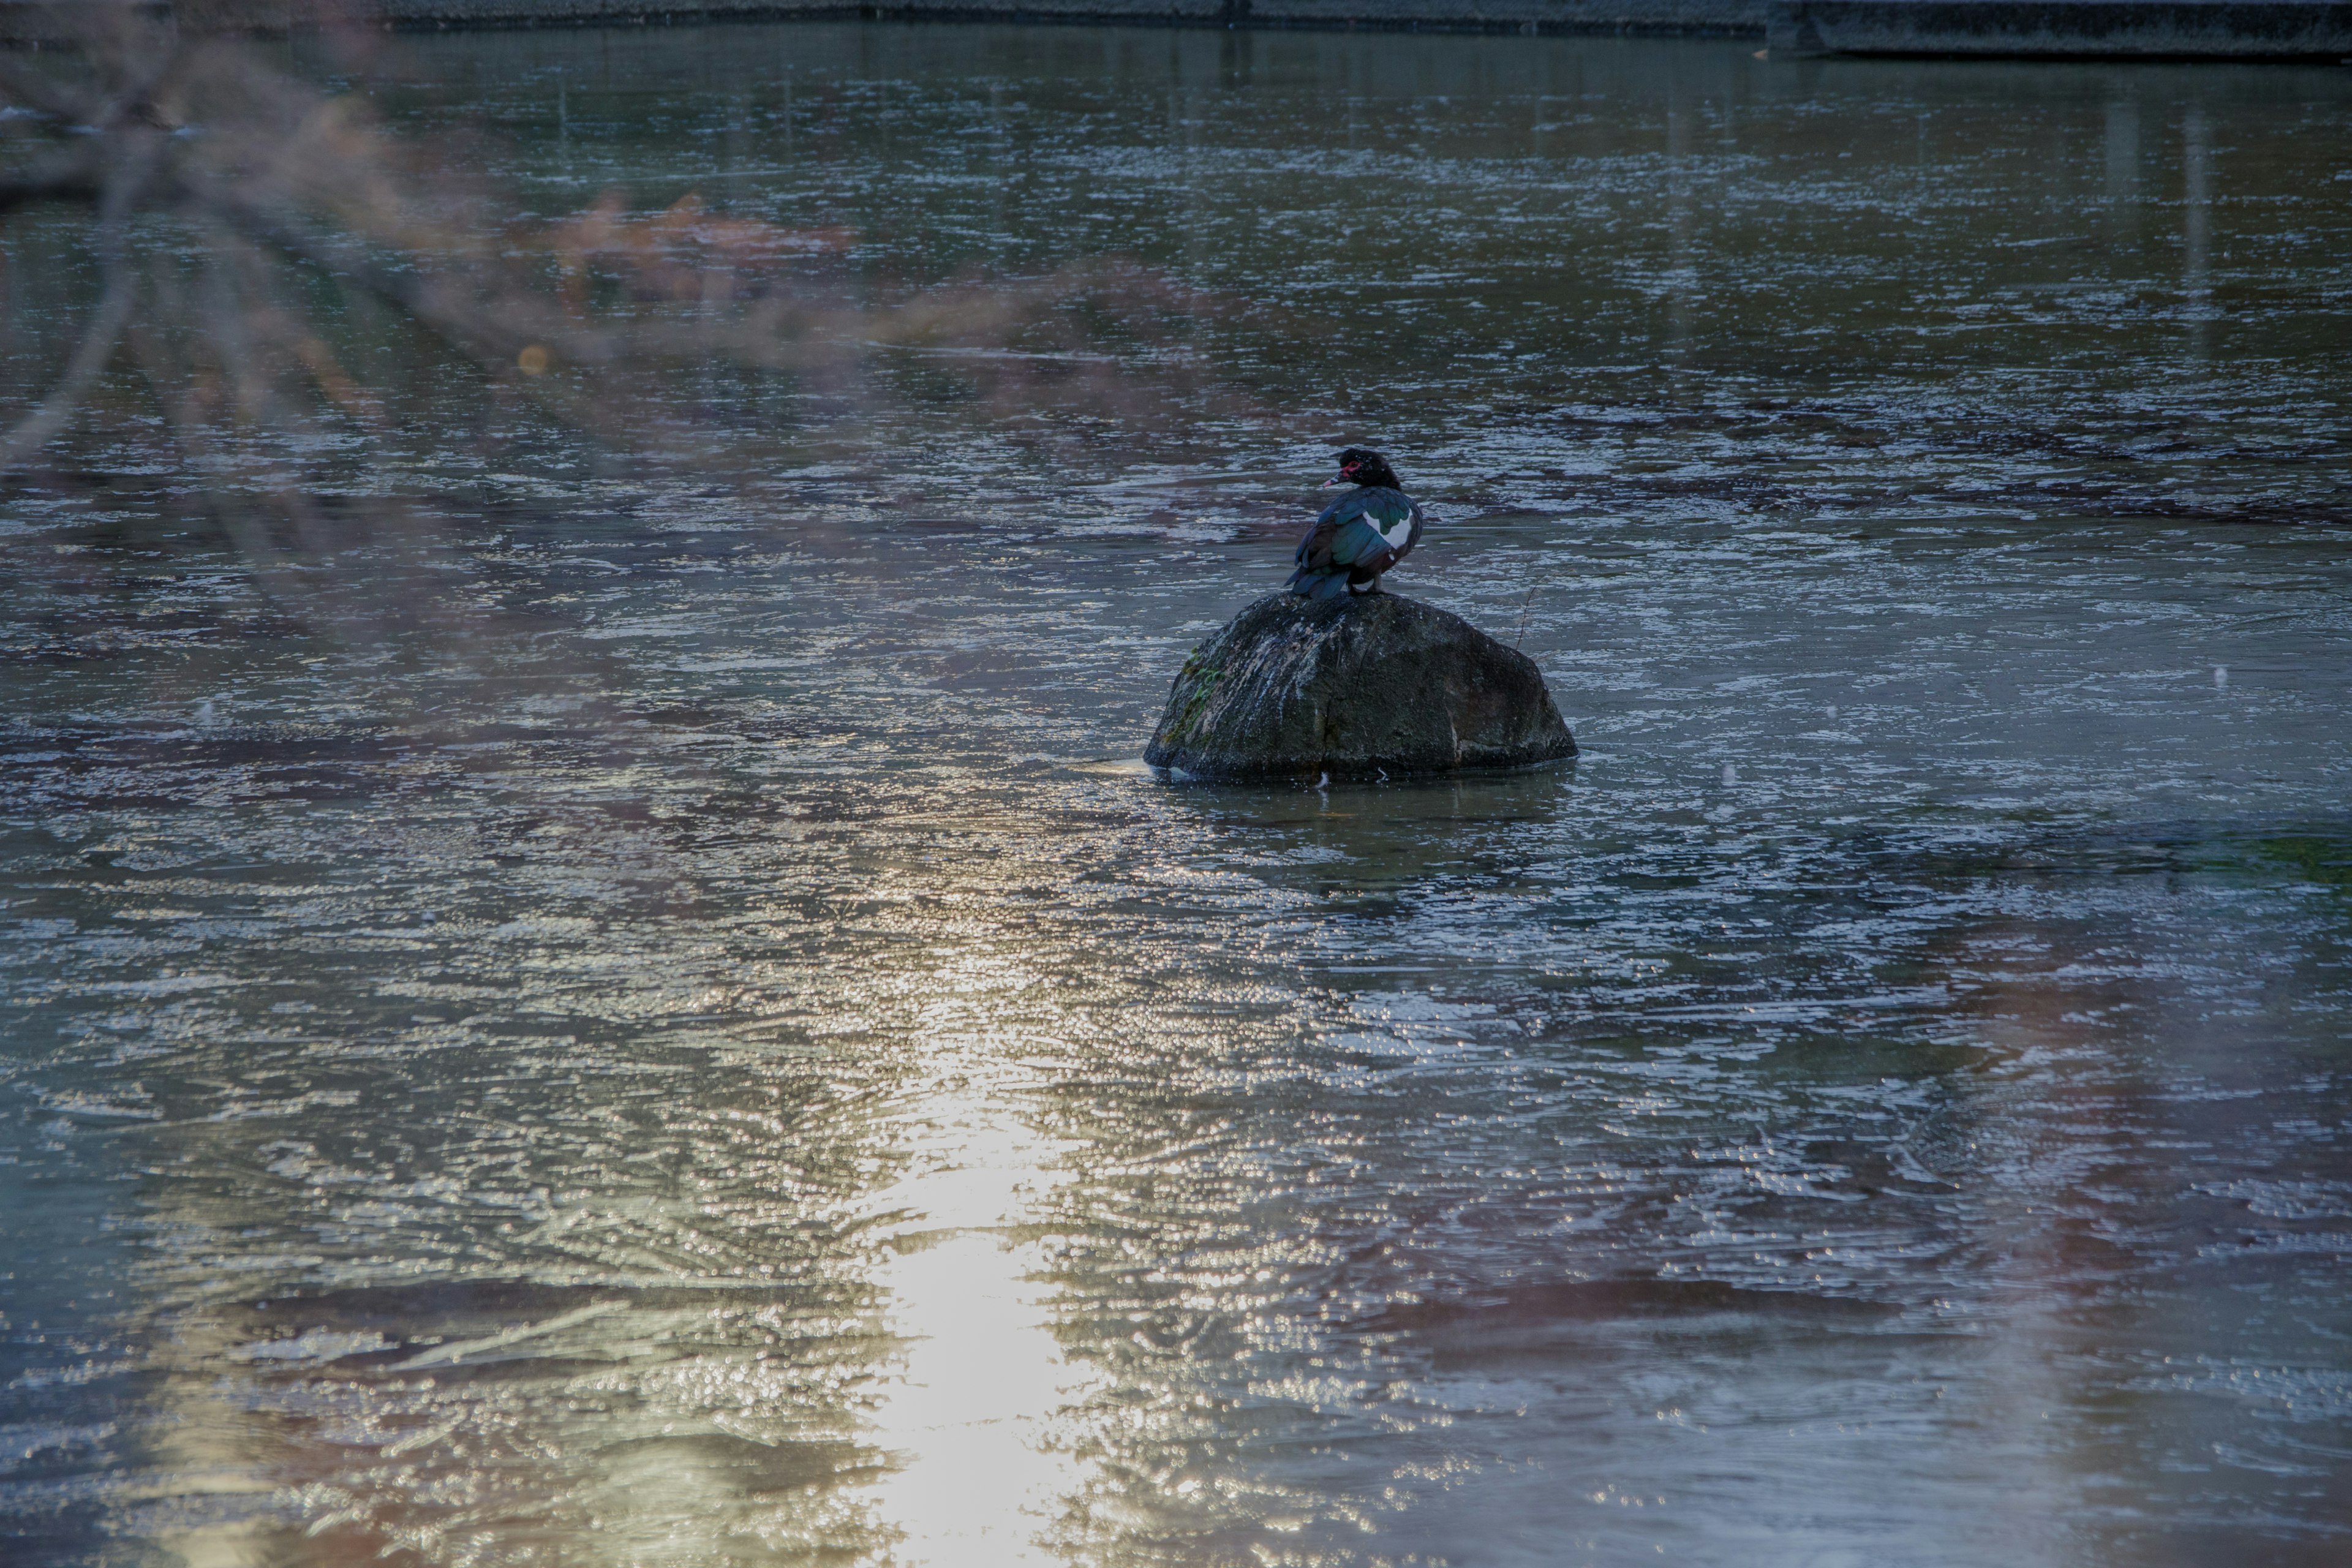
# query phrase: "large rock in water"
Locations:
[[1369, 686]]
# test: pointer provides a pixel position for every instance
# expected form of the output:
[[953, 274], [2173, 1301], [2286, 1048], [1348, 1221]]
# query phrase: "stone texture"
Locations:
[[1360, 688]]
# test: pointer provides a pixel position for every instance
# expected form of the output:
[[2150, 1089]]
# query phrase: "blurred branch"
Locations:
[[38, 90], [90, 358], [491, 340], [251, 170], [223, 189], [71, 176], [121, 196]]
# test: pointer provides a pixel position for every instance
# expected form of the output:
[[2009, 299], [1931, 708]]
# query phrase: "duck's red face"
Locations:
[[1359, 466]]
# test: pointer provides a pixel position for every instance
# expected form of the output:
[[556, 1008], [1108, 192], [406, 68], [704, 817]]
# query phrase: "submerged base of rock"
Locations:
[[1368, 687]]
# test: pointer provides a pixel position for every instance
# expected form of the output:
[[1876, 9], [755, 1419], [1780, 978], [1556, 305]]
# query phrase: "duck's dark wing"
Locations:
[[1398, 517], [1365, 530]]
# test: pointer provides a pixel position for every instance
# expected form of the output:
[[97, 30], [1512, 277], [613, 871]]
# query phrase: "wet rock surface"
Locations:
[[1361, 688]]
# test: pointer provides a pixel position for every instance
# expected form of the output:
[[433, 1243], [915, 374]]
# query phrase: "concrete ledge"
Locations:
[[2077, 29], [425, 13], [1741, 18]]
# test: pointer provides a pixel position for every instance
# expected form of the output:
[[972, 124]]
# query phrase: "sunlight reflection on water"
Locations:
[[976, 1409]]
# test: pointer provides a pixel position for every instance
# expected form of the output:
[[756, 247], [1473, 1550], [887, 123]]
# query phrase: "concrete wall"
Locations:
[[2171, 29], [1716, 17], [2189, 29], [2100, 29]]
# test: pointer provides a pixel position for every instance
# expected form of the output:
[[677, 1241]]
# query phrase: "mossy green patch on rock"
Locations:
[[1195, 684]]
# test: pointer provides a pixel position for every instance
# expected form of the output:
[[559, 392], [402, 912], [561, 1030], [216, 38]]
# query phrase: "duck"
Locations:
[[1360, 535]]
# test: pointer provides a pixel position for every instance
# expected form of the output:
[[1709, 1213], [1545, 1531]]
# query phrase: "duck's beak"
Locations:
[[1331, 484]]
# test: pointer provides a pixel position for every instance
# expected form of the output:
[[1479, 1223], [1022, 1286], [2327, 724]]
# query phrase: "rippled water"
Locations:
[[663, 1024]]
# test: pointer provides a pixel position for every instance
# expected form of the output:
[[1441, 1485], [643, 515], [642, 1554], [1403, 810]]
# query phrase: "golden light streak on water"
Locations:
[[975, 1409], [974, 1414]]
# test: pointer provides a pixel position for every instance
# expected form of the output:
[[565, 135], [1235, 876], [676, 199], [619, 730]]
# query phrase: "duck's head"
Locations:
[[1361, 466]]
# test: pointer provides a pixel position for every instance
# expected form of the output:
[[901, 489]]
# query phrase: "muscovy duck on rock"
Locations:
[[1361, 535]]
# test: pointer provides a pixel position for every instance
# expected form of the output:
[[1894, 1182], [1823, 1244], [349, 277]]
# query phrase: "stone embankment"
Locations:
[[2093, 30], [2097, 29], [1729, 17], [2179, 29], [1364, 688]]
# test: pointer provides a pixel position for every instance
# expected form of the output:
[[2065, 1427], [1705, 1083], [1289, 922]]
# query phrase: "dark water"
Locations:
[[696, 1042]]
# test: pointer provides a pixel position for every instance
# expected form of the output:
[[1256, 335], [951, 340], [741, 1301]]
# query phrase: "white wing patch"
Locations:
[[1396, 533]]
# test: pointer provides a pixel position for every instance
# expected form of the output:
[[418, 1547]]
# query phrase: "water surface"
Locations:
[[660, 1021]]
